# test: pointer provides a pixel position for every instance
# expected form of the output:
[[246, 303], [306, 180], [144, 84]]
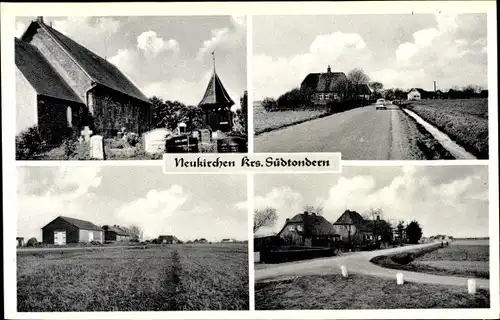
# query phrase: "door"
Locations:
[[91, 236], [59, 238]]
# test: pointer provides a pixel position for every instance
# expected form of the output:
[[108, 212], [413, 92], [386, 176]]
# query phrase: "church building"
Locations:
[[216, 105], [62, 86]]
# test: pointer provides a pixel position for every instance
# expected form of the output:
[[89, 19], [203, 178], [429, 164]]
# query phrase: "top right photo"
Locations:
[[373, 87]]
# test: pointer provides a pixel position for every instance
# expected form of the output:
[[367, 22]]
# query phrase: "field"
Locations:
[[269, 121], [361, 292], [461, 258], [149, 278], [465, 121]]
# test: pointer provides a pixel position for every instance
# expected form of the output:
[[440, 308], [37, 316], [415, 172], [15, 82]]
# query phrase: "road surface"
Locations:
[[359, 263], [359, 134]]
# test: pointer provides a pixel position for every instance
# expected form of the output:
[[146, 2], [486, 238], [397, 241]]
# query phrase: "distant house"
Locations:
[[20, 241], [364, 92], [308, 229], [419, 93], [202, 241], [353, 228], [115, 233], [227, 240], [325, 87], [63, 230], [414, 94], [168, 239]]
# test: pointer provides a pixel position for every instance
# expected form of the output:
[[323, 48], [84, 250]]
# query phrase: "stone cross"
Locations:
[[80, 139], [86, 133]]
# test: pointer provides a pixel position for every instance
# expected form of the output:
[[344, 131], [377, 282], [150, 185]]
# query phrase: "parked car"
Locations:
[[381, 104]]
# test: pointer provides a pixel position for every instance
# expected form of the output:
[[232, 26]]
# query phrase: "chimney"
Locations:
[[434, 86], [287, 219], [314, 214], [329, 70], [378, 217], [39, 19], [306, 213]]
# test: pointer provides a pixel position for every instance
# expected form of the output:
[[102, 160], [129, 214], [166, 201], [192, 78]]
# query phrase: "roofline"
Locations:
[[49, 96]]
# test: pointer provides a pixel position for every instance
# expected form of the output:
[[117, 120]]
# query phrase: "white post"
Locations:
[[399, 278], [471, 286], [343, 269]]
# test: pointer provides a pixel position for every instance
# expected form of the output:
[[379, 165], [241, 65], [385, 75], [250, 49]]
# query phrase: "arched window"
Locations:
[[69, 116]]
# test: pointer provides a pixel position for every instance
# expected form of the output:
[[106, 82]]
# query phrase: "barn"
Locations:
[[63, 230], [115, 233], [169, 239]]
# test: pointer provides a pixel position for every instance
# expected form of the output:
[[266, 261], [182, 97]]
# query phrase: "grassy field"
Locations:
[[150, 278], [361, 292], [269, 121], [464, 120], [466, 259]]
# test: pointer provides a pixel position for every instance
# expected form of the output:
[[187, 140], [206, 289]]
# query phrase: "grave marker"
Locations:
[[96, 148], [231, 145], [205, 136], [154, 140], [86, 133]]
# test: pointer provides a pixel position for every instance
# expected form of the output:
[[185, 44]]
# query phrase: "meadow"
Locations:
[[463, 120], [269, 121], [144, 278], [361, 292]]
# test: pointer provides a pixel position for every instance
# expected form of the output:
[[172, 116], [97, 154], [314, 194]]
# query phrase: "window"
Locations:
[[327, 96], [69, 117], [320, 96], [291, 228], [299, 228]]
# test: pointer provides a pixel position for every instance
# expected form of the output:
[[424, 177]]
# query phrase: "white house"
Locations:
[[414, 94]]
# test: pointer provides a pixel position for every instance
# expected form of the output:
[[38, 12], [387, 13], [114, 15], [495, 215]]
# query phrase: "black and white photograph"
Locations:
[[116, 239], [400, 237], [372, 86], [129, 87]]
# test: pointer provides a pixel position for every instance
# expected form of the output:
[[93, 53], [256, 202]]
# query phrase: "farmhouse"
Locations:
[[419, 93], [216, 105], [353, 228], [115, 233], [63, 230], [62, 86], [414, 94], [168, 239], [308, 229], [325, 87]]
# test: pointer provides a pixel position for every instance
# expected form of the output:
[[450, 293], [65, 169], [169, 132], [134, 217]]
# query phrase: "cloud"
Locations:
[[225, 38], [152, 45], [276, 75], [20, 28], [87, 29]]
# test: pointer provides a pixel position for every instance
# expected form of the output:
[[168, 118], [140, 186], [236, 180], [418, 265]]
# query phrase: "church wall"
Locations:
[[62, 63], [114, 110], [26, 103]]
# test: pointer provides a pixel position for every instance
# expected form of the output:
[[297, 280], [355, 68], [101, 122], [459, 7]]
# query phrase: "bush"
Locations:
[[292, 99], [269, 104], [132, 139], [95, 243], [31, 242], [279, 256], [29, 144]]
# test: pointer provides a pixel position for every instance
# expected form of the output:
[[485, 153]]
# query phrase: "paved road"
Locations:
[[359, 263], [360, 134]]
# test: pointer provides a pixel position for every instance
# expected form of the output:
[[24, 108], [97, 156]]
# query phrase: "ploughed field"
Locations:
[[269, 121], [463, 120], [361, 292], [147, 278]]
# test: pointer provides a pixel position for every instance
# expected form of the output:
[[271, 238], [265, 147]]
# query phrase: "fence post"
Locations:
[[399, 278], [343, 269], [471, 286]]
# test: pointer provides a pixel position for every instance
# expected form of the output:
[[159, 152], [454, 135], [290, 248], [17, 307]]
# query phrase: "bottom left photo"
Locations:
[[130, 239]]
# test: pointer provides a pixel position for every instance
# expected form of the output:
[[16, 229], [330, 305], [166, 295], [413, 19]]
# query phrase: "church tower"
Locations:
[[216, 105]]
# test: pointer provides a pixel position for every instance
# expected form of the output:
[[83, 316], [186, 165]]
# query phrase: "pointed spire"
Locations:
[[213, 58]]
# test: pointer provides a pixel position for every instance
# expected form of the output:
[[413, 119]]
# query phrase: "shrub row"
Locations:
[[275, 256]]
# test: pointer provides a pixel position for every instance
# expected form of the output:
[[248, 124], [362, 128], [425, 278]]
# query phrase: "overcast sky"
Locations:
[[398, 50], [165, 56], [451, 200], [187, 206]]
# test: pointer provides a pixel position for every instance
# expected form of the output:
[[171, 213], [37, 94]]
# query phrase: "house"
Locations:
[[355, 229], [216, 105], [308, 229], [62, 86], [202, 241], [63, 230], [364, 92], [168, 239], [115, 233], [227, 240], [20, 241], [414, 94], [325, 87]]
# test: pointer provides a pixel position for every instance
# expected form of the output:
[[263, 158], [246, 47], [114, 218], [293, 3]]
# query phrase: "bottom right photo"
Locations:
[[389, 237]]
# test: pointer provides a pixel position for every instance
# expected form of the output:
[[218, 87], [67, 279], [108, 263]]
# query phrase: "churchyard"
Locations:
[[140, 278]]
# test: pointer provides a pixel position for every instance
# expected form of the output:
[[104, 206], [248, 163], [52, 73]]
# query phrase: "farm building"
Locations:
[[227, 240], [414, 94], [202, 241], [62, 86], [308, 229], [168, 239], [63, 230], [325, 87], [216, 105], [115, 233], [353, 228]]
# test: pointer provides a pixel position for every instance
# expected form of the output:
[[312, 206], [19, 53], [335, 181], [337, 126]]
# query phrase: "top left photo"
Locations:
[[129, 88]]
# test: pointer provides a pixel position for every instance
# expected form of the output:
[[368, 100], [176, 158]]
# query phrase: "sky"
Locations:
[[169, 57], [187, 206], [402, 51], [450, 200]]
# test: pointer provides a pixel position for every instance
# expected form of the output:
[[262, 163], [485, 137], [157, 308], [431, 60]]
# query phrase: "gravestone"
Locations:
[[86, 133], [196, 134], [232, 145], [182, 144], [154, 140], [96, 147], [205, 136], [181, 129]]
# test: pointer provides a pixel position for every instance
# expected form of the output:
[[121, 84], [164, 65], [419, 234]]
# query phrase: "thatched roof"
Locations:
[[116, 229], [100, 70], [350, 217], [80, 224], [364, 89], [323, 82], [215, 94], [40, 74], [314, 225]]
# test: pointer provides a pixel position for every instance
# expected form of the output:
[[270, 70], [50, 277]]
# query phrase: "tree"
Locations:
[[31, 242], [377, 87], [134, 232], [168, 114], [318, 209], [264, 218], [413, 232], [341, 87], [356, 78], [242, 113], [400, 229], [382, 230]]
